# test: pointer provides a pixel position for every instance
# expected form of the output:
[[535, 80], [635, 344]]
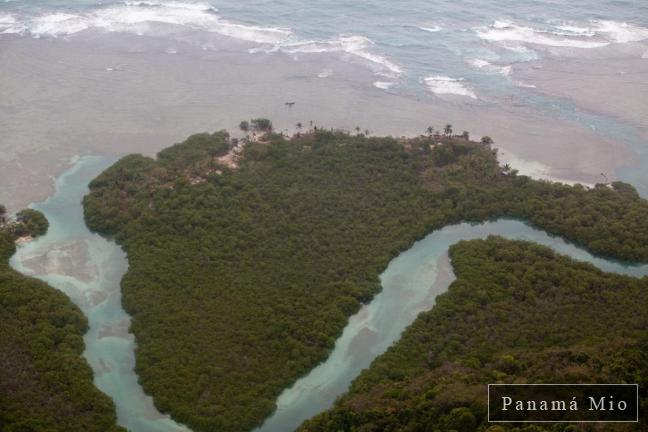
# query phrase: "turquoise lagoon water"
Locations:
[[88, 269]]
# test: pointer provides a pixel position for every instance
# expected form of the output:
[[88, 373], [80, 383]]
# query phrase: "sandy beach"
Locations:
[[126, 93]]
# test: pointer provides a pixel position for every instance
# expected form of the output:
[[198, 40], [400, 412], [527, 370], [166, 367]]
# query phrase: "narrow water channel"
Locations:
[[410, 285], [88, 268]]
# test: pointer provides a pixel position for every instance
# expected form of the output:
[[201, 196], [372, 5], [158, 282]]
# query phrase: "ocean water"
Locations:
[[461, 50], [441, 47]]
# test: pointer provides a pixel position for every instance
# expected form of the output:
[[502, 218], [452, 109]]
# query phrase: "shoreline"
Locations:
[[605, 82], [115, 94]]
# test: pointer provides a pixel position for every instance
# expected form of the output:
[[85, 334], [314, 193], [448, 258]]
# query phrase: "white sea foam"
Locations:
[[9, 24], [443, 85], [573, 30], [200, 6], [384, 85], [358, 46], [432, 29], [506, 31], [6, 18], [524, 53], [58, 24], [516, 47], [596, 34], [325, 73], [478, 63], [489, 67], [140, 16], [620, 32], [349, 46], [163, 17], [524, 85]]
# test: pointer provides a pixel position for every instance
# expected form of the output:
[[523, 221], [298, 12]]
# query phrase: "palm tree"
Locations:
[[430, 131], [261, 125], [486, 140], [465, 135], [447, 131], [244, 126], [366, 132], [357, 129], [299, 126], [506, 168]]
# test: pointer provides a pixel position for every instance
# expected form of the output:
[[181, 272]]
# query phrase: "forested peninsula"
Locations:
[[242, 275], [517, 313], [45, 384]]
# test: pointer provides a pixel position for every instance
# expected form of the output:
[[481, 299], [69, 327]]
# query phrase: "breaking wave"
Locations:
[[443, 85], [431, 29], [598, 33], [489, 67], [154, 16], [142, 16], [359, 47], [9, 24]]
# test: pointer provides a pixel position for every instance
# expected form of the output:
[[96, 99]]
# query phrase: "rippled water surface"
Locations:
[[459, 47]]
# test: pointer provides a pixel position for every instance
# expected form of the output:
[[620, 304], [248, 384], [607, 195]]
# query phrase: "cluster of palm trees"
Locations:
[[447, 132], [256, 125], [299, 126], [264, 125]]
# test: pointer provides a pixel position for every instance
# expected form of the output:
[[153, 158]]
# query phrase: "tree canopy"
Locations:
[[241, 283]]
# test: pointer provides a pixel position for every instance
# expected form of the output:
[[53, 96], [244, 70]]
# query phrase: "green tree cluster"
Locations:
[[30, 222], [261, 125], [240, 284]]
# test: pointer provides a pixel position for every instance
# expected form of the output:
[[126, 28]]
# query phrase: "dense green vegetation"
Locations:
[[240, 280], [45, 384], [30, 222], [517, 313]]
